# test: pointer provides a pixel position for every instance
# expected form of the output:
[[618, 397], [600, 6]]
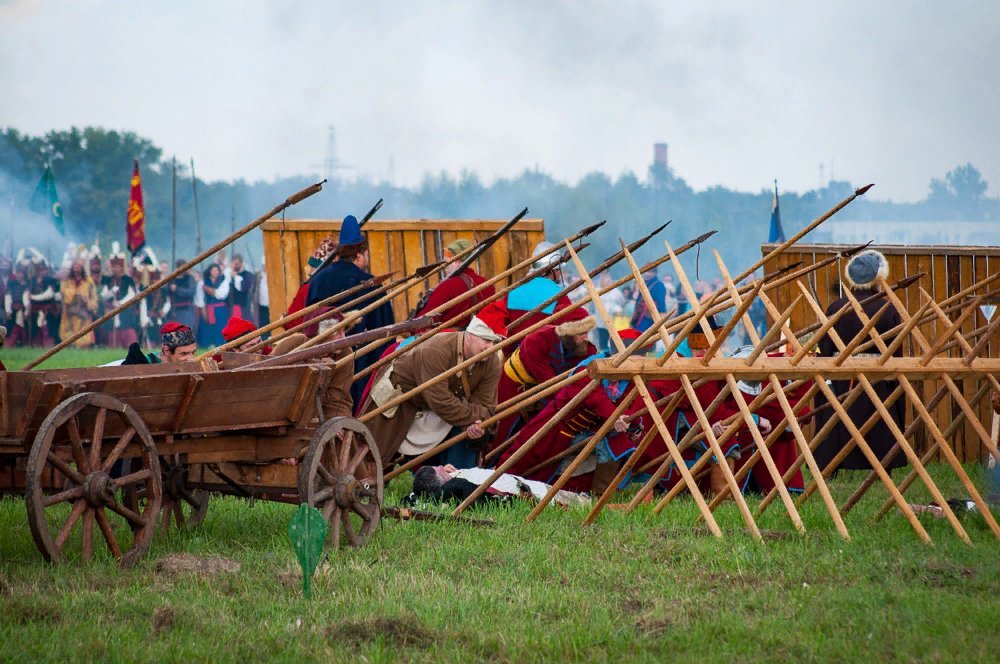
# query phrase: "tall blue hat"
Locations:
[[350, 232]]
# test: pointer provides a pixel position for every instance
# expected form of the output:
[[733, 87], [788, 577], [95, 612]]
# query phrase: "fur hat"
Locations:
[[864, 268], [575, 326]]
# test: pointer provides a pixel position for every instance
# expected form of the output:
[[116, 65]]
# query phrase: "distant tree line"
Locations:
[[92, 166]]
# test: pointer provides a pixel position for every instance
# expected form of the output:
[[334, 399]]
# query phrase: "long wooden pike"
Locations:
[[548, 320], [330, 347], [329, 259], [375, 366], [259, 332], [353, 317], [290, 201], [377, 284], [424, 336], [488, 422], [643, 391], [605, 264]]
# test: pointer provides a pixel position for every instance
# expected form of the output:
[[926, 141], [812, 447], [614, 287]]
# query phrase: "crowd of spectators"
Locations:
[[44, 303]]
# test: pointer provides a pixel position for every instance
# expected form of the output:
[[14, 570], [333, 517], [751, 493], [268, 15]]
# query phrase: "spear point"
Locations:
[[863, 190], [590, 229]]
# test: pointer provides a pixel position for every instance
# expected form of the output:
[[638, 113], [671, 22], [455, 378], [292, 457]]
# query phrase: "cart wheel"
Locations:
[[70, 465], [341, 476], [182, 505]]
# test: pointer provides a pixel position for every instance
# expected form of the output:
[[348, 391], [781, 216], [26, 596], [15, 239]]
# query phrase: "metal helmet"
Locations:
[[548, 261]]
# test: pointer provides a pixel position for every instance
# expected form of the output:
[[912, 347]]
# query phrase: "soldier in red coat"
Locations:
[[532, 294], [453, 286], [577, 426], [543, 354], [783, 450]]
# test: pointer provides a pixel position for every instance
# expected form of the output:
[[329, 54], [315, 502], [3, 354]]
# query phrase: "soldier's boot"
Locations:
[[717, 480], [604, 475]]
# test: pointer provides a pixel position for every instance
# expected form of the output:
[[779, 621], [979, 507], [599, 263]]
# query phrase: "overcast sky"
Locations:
[[892, 92]]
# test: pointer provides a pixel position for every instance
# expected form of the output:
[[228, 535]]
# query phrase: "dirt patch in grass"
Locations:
[[186, 563], [5, 588], [26, 612], [405, 632], [942, 574], [163, 619], [652, 627]]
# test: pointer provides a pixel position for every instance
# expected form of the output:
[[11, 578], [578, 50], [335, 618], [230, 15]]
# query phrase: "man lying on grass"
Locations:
[[448, 482]]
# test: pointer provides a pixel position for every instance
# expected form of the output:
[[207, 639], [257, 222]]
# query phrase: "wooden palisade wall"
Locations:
[[947, 270], [400, 245]]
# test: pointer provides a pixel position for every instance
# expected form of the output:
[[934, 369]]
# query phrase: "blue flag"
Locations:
[[777, 233]]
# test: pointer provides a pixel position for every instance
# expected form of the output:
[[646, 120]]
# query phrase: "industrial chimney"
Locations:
[[660, 155]]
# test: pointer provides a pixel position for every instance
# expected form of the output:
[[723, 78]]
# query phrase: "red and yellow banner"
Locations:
[[135, 229]]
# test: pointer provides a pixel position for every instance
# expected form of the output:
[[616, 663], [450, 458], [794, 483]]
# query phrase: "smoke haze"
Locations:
[[894, 92]]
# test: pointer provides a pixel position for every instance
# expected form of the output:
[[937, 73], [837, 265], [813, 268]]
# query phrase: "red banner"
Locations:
[[135, 229]]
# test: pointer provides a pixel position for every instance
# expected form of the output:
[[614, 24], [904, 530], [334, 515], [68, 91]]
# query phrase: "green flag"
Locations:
[[308, 531], [45, 200]]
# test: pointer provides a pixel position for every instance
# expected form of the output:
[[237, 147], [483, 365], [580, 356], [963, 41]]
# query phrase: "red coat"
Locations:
[[584, 419], [453, 287], [541, 356], [784, 450]]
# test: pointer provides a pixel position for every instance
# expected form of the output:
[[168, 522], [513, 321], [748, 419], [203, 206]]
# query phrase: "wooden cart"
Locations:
[[125, 450]]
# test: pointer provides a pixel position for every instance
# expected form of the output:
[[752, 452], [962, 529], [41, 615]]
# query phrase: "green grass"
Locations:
[[631, 587], [15, 358]]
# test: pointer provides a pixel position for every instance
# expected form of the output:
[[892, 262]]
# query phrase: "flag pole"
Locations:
[[197, 213], [173, 213]]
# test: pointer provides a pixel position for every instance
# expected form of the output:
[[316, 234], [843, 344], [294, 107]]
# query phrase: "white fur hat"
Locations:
[[865, 267]]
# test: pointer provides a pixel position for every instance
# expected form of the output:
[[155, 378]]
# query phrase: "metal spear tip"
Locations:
[[424, 270], [703, 237], [854, 250], [863, 190], [781, 271], [590, 229], [909, 281]]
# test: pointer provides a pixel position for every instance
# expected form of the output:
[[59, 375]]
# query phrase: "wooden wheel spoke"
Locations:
[[76, 442], [64, 496], [326, 475], [117, 450], [133, 517], [78, 507], [335, 527], [346, 440], [98, 436], [323, 495], [109, 534], [88, 534], [329, 511], [356, 461], [345, 518], [64, 468], [179, 514], [366, 511], [133, 478]]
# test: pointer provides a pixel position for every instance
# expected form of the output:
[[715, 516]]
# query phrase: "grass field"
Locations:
[[632, 587]]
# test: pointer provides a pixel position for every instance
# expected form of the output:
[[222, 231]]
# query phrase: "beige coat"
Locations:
[[448, 398]]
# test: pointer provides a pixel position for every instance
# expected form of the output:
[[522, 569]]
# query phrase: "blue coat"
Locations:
[[337, 277]]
